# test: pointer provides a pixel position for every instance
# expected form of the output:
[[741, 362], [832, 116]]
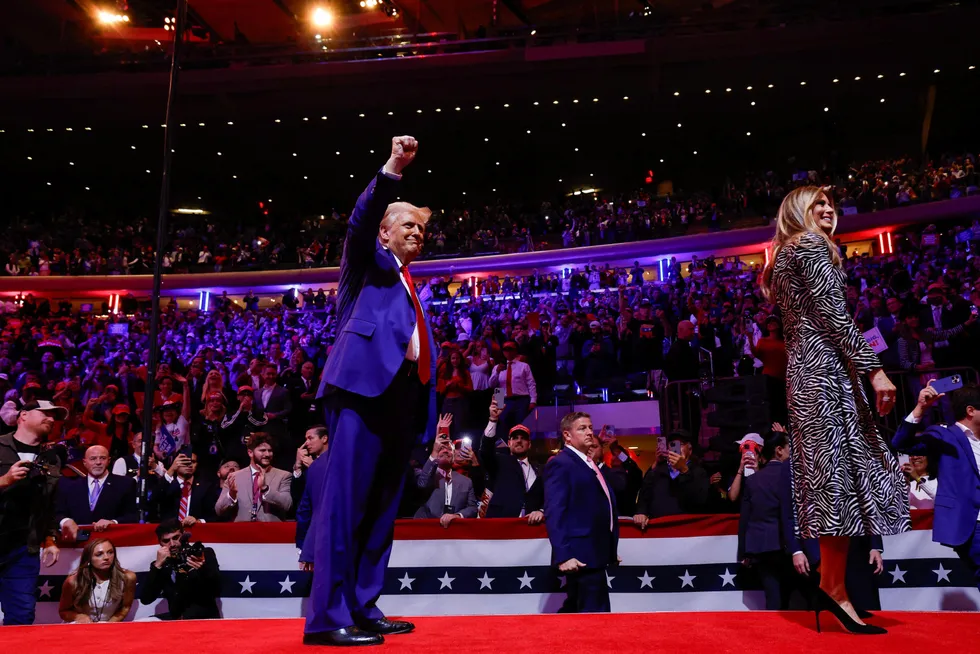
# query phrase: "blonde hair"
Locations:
[[396, 209], [794, 219]]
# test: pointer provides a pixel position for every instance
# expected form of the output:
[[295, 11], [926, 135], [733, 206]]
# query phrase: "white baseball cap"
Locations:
[[752, 438]]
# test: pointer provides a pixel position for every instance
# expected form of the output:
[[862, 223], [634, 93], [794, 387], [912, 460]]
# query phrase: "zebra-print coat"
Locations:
[[845, 480]]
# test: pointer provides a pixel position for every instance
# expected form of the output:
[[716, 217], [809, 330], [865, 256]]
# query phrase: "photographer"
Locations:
[[186, 575], [28, 482]]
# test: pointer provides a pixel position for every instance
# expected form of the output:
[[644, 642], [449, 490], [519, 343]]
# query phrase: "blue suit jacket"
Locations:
[[375, 313], [117, 501], [958, 497], [305, 539], [767, 522], [576, 513]]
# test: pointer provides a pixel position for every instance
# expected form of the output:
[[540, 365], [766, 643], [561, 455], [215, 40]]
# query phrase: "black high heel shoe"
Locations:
[[825, 602]]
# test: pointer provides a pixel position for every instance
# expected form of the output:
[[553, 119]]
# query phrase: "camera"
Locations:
[[186, 549]]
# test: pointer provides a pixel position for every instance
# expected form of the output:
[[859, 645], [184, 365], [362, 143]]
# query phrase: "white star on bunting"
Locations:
[[45, 589], [485, 581], [563, 579], [525, 581], [609, 580], [898, 575], [727, 579], [406, 582], [687, 579], [942, 573], [286, 586], [646, 581], [445, 581], [246, 585]]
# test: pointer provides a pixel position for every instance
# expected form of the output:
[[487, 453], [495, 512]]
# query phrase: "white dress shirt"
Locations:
[[412, 354], [970, 436], [521, 381], [922, 493]]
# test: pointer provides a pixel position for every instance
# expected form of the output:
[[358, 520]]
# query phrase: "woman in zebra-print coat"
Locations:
[[845, 480]]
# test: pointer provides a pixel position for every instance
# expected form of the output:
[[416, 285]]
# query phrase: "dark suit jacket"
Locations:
[[190, 596], [576, 513], [306, 539], [958, 497], [279, 403], [662, 496], [506, 480], [429, 480], [204, 495], [625, 482], [117, 501], [767, 523]]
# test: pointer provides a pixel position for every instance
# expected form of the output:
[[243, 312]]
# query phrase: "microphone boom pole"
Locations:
[[149, 438]]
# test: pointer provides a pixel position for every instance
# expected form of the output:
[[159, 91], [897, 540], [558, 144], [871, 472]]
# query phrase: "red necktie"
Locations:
[[185, 500], [425, 359], [510, 379]]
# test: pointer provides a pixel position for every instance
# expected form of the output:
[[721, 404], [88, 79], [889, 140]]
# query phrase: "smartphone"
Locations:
[[676, 447], [948, 384], [82, 536], [498, 397], [903, 459]]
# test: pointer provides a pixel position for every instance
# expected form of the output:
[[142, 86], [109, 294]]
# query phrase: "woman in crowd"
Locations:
[[846, 482], [771, 351], [456, 385], [100, 590]]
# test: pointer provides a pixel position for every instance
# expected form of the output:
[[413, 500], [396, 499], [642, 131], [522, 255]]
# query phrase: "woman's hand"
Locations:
[[884, 392]]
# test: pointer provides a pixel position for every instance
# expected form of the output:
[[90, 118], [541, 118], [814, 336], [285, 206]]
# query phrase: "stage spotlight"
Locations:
[[322, 17]]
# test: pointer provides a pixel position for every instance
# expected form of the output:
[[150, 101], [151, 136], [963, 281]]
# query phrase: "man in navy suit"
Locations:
[[516, 483], [580, 513], [766, 529], [379, 399], [956, 522], [99, 499]]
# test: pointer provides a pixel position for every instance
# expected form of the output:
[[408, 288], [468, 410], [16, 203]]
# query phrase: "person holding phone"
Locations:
[[516, 483], [675, 485], [957, 501], [846, 482]]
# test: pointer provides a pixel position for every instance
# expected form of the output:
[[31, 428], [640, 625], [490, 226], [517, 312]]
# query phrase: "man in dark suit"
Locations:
[[889, 325], [315, 443], [191, 590], [450, 496], [379, 396], [516, 483], [766, 529], [673, 486], [186, 497], [275, 404], [580, 513], [941, 314], [98, 499], [956, 522], [302, 389]]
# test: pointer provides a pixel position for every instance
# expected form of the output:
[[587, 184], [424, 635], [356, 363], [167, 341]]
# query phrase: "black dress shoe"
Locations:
[[346, 637], [386, 626]]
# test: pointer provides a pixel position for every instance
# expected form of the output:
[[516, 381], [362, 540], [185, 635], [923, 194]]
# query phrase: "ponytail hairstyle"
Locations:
[[795, 218]]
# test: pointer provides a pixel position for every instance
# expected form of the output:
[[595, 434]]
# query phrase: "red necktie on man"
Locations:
[[185, 500], [424, 360]]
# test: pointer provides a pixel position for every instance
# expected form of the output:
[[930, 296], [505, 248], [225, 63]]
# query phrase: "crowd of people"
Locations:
[[74, 243], [236, 422]]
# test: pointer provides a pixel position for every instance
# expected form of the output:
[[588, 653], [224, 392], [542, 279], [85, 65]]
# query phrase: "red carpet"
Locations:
[[716, 633]]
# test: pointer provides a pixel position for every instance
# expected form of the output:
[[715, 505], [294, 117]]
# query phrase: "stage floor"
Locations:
[[717, 633]]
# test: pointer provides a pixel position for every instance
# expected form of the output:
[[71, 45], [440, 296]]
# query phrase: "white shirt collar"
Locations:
[[966, 430], [101, 480], [584, 457]]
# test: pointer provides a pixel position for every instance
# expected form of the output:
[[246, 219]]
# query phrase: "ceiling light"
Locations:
[[678, 124], [728, 89], [306, 120], [695, 152], [880, 76], [901, 74], [535, 104], [748, 88], [752, 103], [219, 154], [391, 113], [418, 111], [748, 133], [625, 97], [321, 17], [857, 79], [836, 80], [360, 115], [277, 120], [321, 118], [707, 90], [676, 93], [802, 83], [968, 68], [661, 161], [936, 70], [457, 109], [882, 99], [826, 108], [770, 86], [595, 99]]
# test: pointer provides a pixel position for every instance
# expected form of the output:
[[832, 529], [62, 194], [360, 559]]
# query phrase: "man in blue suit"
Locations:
[[580, 514], [379, 399], [956, 522], [766, 529]]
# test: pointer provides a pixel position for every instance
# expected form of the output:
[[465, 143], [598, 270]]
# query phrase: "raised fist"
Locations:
[[403, 150]]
